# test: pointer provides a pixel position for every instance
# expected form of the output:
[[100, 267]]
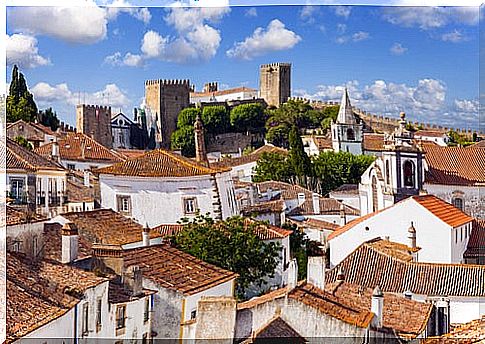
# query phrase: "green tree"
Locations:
[[231, 244], [273, 166], [20, 102], [215, 119], [184, 139], [187, 117], [299, 161], [48, 117], [23, 142], [278, 135], [248, 117]]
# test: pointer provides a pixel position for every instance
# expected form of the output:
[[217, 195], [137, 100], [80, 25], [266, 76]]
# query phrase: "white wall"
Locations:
[[432, 235], [473, 196], [84, 165]]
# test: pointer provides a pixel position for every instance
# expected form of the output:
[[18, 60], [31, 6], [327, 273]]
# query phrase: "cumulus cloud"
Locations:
[[398, 49], [275, 37], [424, 102], [129, 59], [251, 12], [307, 13], [430, 17], [46, 94], [23, 51], [343, 11], [454, 36]]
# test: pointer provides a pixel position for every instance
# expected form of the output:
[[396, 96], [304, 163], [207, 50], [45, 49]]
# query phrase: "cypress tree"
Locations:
[[20, 102], [298, 159]]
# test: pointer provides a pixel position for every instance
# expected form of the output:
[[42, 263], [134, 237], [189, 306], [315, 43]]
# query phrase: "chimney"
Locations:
[[55, 151], [200, 150], [137, 281], [412, 236], [408, 294], [86, 179], [316, 203], [292, 273], [70, 242], [316, 271], [343, 216], [301, 198], [377, 306], [146, 235], [340, 274]]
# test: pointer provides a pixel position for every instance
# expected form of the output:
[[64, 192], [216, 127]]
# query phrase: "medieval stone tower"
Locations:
[[275, 83], [165, 99], [95, 121]]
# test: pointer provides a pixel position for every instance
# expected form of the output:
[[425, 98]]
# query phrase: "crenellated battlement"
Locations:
[[276, 65], [169, 82], [94, 107]]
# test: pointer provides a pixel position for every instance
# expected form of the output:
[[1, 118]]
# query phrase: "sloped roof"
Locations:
[[455, 165], [373, 142], [346, 113], [328, 206], [276, 206], [159, 163], [430, 133], [369, 265], [176, 270], [20, 158], [80, 147], [277, 328], [476, 243], [248, 158], [469, 333], [17, 216]]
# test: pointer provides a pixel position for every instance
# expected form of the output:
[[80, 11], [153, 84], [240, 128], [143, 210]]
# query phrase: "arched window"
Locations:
[[388, 173], [458, 202], [409, 173], [350, 134]]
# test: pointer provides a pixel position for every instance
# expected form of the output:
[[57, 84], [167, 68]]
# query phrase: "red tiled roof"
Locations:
[[373, 142], [469, 333], [248, 158], [328, 206], [430, 133], [80, 147], [77, 192], [176, 270], [347, 189], [20, 158], [455, 165], [53, 243], [130, 153], [276, 206], [277, 328], [17, 217], [159, 163], [446, 212], [318, 224], [370, 265], [476, 243]]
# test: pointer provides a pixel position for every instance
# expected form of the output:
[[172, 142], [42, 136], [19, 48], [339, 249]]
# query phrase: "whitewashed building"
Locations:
[[211, 94], [162, 187], [439, 229], [438, 137]]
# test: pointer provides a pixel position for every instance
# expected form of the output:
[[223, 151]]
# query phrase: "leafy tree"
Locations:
[[273, 166], [187, 117], [278, 135], [20, 102], [49, 118], [23, 142], [457, 139], [248, 117], [184, 139], [299, 161], [216, 119], [231, 244]]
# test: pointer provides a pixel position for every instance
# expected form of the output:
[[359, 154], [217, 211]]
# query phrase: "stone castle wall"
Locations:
[[95, 121], [275, 83]]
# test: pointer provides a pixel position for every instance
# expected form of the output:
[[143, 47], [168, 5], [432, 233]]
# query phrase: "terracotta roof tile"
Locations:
[[278, 328], [469, 333], [77, 192], [130, 153], [120, 293], [328, 206], [17, 217], [317, 224], [371, 266], [373, 142], [19, 158], [53, 243], [347, 189], [476, 243], [176, 270], [80, 147], [159, 163], [446, 212], [430, 133], [264, 207], [248, 158], [455, 165], [255, 301]]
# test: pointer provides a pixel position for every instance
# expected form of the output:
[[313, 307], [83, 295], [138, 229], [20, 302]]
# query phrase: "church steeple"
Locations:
[[345, 113], [200, 151]]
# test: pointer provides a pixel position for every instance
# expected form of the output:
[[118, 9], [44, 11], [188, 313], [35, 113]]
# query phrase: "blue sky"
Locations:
[[423, 61]]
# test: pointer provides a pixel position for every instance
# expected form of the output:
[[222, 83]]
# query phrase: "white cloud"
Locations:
[[153, 44], [343, 11], [454, 36], [23, 51], [264, 40], [131, 60], [398, 49], [189, 19], [360, 36], [465, 105], [341, 28], [430, 17], [307, 13], [251, 12], [46, 94]]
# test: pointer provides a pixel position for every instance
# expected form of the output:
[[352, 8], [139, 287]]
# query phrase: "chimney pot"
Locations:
[[316, 271], [69, 243], [146, 235], [377, 306]]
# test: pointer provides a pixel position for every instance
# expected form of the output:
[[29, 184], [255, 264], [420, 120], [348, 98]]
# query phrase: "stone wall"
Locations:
[[275, 83], [95, 121]]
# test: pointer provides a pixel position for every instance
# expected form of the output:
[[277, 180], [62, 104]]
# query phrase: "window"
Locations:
[[193, 314], [98, 313], [190, 205], [120, 317], [16, 188], [457, 202], [124, 204], [85, 319], [71, 166], [146, 314], [388, 173], [350, 134], [408, 173]]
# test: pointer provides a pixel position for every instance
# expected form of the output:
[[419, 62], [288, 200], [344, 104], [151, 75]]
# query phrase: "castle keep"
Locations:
[[164, 100], [275, 83], [95, 121]]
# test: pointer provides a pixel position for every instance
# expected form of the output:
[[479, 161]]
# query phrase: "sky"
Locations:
[[423, 61]]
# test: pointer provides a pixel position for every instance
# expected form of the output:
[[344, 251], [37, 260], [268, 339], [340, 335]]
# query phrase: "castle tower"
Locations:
[[346, 132], [165, 99], [275, 83], [403, 163], [200, 151], [211, 87], [95, 121]]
